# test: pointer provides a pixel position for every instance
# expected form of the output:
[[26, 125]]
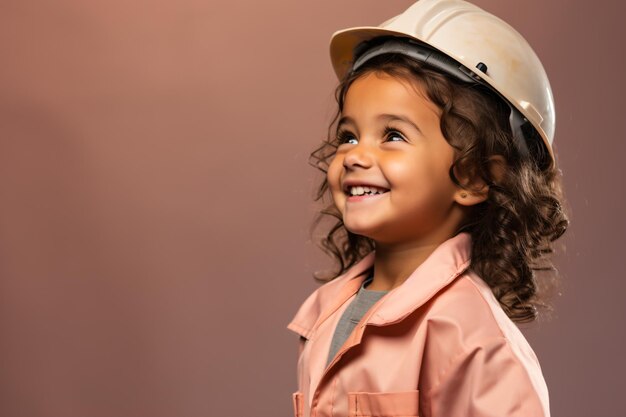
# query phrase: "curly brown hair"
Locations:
[[512, 231]]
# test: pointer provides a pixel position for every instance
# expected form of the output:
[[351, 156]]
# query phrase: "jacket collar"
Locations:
[[450, 259], [329, 297]]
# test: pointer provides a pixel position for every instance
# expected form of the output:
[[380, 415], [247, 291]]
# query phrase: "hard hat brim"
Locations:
[[342, 44]]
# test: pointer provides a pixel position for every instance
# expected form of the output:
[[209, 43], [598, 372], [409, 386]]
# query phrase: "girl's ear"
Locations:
[[497, 167]]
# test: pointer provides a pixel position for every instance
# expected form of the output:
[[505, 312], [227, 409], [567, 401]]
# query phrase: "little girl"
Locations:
[[446, 196]]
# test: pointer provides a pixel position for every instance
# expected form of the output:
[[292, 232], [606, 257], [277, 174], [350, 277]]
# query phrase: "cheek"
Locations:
[[418, 178], [407, 173], [333, 175]]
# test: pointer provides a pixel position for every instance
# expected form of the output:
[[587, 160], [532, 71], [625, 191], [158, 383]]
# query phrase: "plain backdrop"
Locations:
[[155, 200]]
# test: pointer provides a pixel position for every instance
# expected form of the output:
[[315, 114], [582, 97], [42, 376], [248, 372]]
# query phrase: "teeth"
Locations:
[[365, 190]]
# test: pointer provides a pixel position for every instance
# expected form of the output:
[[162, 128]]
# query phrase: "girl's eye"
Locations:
[[392, 133], [345, 137]]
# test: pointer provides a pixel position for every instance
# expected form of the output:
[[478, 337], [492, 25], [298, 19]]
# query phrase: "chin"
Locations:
[[365, 230]]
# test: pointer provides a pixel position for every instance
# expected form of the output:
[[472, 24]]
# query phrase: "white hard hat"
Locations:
[[483, 49]]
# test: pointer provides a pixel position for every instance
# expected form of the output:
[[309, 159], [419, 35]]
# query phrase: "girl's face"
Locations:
[[389, 138]]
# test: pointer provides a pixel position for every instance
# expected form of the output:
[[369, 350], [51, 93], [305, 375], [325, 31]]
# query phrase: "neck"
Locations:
[[394, 263]]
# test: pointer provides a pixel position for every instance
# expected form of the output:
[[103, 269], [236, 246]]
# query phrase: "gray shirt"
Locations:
[[352, 315]]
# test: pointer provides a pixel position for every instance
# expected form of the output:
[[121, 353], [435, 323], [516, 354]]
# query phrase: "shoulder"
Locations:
[[469, 307], [470, 336]]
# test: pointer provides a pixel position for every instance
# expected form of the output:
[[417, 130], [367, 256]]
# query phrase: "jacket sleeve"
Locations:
[[487, 381]]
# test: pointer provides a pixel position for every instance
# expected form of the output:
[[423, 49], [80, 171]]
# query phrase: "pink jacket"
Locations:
[[438, 345]]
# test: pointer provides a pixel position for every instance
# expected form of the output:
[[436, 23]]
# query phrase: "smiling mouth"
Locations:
[[359, 191]]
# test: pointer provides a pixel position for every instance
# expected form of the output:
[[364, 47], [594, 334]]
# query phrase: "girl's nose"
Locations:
[[359, 155]]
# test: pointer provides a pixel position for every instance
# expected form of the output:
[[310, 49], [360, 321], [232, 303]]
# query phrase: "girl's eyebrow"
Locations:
[[398, 118], [384, 117]]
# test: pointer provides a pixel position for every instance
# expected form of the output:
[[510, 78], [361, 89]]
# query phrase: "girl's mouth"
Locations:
[[365, 193], [358, 190]]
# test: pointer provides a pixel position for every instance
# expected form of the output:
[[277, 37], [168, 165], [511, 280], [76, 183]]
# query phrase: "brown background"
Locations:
[[155, 200]]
